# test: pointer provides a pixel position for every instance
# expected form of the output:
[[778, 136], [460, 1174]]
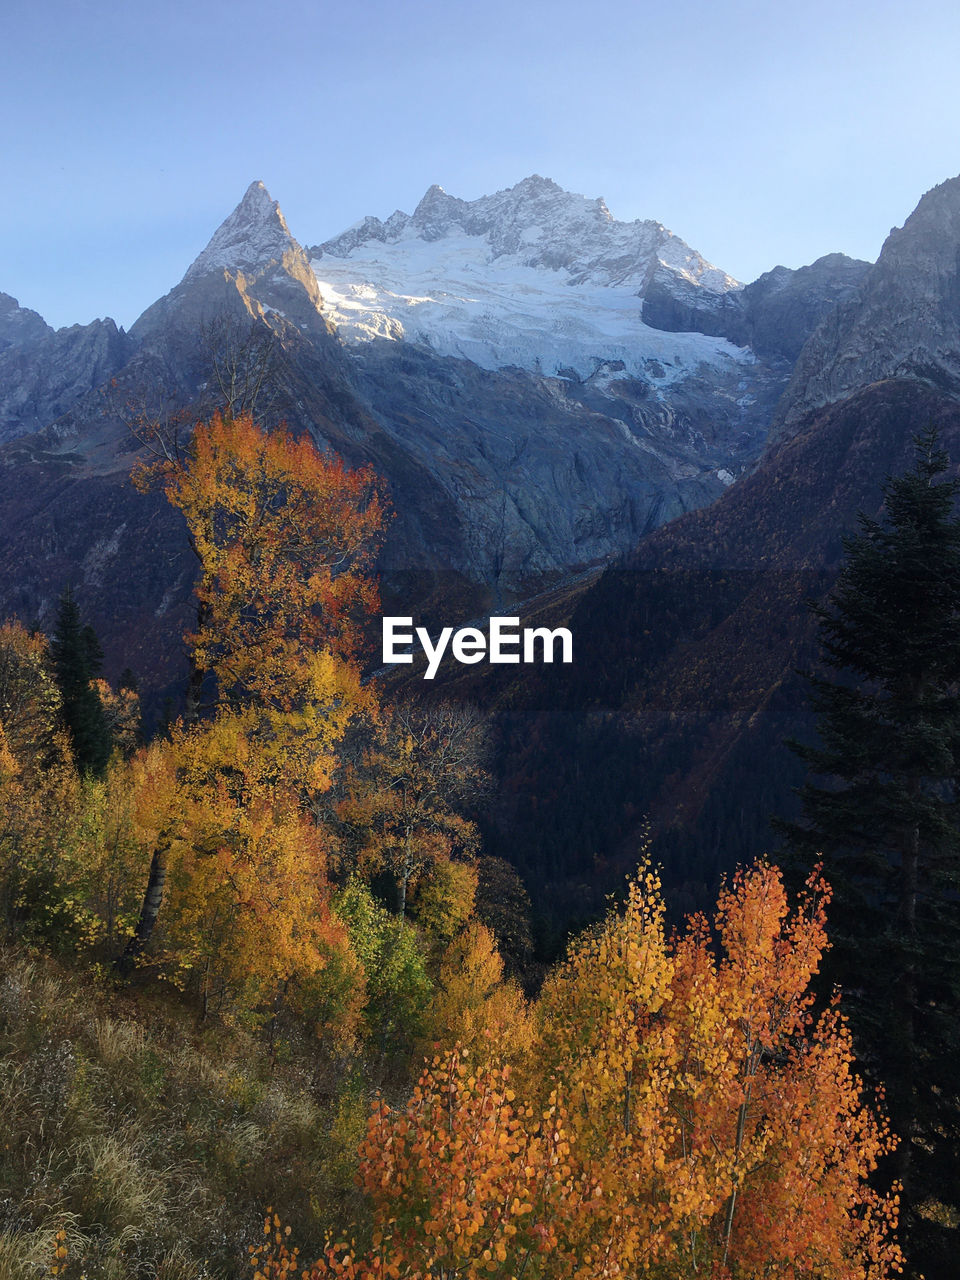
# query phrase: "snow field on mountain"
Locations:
[[452, 295]]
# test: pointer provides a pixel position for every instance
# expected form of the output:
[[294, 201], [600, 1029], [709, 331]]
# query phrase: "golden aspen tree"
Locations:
[[285, 539], [683, 1113], [474, 1005]]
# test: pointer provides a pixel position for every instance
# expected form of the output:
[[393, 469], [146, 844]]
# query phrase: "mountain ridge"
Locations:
[[507, 474]]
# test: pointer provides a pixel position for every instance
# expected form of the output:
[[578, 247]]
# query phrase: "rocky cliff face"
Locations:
[[774, 316], [903, 322], [44, 372], [19, 325], [488, 358]]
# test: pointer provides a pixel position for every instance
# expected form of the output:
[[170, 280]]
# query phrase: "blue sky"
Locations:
[[760, 132]]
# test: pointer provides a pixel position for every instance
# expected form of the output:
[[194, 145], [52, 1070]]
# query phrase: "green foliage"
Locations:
[[77, 657], [397, 984]]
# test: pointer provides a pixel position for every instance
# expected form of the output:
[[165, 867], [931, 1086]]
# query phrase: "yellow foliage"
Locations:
[[247, 910], [683, 1114], [474, 1006]]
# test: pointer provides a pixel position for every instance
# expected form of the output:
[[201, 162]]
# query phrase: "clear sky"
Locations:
[[761, 133]]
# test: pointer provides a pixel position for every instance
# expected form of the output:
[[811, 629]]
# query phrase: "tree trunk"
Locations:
[[906, 1000], [194, 697], [152, 901]]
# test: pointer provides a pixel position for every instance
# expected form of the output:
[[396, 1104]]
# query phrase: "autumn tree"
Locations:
[[30, 702], [431, 766], [718, 1123], [464, 1183], [475, 1005], [445, 900], [121, 714], [248, 914], [114, 848], [39, 795], [683, 1112], [284, 538]]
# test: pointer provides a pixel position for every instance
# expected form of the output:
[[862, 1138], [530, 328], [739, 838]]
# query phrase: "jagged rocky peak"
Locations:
[[538, 224], [251, 267], [255, 234], [19, 325], [903, 322], [437, 211]]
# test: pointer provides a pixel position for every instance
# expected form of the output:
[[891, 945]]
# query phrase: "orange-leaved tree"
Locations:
[[464, 1182], [285, 537], [474, 1005], [713, 1120], [684, 1113]]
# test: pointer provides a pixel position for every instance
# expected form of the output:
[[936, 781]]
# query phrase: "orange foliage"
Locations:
[[713, 1120], [685, 1115], [285, 539]]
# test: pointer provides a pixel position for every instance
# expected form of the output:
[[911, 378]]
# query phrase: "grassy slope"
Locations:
[[156, 1148]]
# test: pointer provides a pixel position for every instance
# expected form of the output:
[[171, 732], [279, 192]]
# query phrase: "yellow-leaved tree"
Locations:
[[683, 1113], [247, 917], [285, 538]]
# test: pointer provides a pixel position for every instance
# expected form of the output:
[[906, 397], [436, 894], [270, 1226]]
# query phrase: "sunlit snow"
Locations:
[[533, 277], [499, 313]]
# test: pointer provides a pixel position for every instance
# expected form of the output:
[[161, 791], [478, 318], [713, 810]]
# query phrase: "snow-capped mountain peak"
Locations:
[[533, 276], [543, 226], [253, 235]]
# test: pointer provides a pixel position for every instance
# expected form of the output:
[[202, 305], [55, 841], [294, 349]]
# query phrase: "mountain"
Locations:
[[685, 681], [905, 323], [19, 325], [251, 264], [774, 316], [491, 359], [44, 371], [533, 276], [570, 423]]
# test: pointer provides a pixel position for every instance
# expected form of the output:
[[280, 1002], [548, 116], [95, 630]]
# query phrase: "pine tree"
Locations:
[[77, 657], [881, 806]]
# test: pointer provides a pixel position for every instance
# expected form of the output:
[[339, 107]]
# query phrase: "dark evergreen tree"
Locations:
[[881, 809], [127, 681], [77, 657]]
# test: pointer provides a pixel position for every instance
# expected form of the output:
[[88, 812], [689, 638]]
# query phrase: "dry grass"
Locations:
[[155, 1149]]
